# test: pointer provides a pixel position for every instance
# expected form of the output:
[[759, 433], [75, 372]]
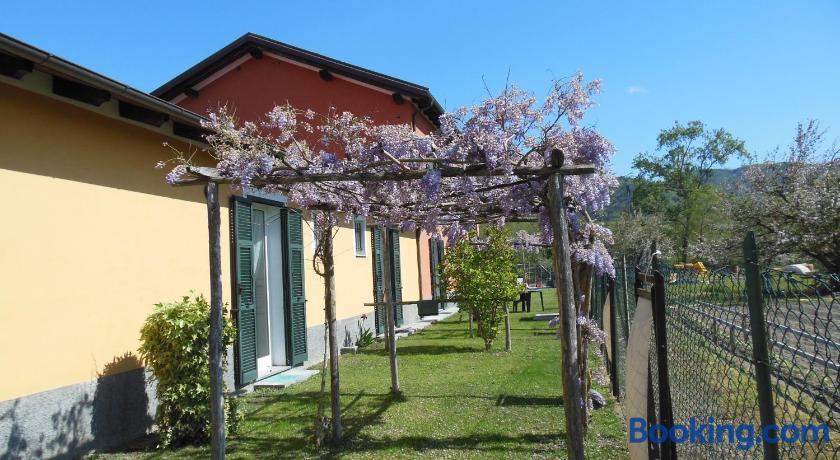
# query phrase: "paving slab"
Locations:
[[285, 379], [407, 329], [544, 316]]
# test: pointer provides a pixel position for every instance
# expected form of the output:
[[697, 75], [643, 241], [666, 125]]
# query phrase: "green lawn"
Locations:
[[459, 402]]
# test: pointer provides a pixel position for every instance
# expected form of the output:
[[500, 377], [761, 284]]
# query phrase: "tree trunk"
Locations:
[[572, 397], [329, 304], [217, 397], [391, 342]]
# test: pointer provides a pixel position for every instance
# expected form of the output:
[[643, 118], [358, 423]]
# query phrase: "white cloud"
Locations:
[[635, 90]]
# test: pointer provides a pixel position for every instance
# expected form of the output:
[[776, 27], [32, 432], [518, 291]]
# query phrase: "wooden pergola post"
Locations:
[[572, 397], [391, 339], [329, 307], [217, 397]]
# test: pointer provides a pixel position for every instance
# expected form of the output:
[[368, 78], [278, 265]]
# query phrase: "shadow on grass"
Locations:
[[490, 442], [511, 400], [364, 410], [425, 350]]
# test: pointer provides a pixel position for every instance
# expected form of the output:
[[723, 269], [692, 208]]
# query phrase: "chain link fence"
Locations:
[[714, 363], [614, 316]]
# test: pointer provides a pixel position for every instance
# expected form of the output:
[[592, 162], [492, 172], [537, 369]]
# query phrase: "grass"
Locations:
[[458, 402]]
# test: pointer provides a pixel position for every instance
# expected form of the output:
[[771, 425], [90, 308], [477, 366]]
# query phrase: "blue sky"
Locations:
[[755, 68]]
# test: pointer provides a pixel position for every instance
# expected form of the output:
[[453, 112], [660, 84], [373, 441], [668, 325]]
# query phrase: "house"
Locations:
[[252, 75], [93, 237]]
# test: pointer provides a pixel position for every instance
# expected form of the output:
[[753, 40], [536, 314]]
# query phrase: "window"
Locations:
[[359, 233]]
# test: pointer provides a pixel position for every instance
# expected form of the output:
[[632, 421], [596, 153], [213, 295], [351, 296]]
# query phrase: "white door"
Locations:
[[268, 284]]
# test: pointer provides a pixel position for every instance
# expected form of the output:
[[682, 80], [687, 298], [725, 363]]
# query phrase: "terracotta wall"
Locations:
[[253, 88]]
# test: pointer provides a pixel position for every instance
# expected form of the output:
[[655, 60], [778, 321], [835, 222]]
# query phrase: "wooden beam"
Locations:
[[142, 114], [204, 174], [80, 91], [217, 397], [15, 67], [190, 132]]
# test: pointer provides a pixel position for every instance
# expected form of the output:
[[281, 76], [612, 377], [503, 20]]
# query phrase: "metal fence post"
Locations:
[[653, 448], [666, 412], [759, 343], [613, 340], [626, 299]]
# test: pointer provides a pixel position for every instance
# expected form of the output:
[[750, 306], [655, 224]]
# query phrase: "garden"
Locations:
[[457, 401]]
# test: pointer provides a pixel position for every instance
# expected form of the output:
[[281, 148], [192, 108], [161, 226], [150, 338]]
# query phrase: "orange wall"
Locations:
[[423, 255], [257, 85]]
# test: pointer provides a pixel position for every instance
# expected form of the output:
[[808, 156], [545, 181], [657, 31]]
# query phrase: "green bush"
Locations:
[[175, 348], [481, 272]]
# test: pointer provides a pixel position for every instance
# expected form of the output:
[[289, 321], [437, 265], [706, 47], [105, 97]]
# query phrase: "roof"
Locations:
[[18, 58], [256, 44]]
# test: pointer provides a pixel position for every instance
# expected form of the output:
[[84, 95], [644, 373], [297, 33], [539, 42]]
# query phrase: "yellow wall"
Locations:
[[410, 267], [354, 275], [92, 237]]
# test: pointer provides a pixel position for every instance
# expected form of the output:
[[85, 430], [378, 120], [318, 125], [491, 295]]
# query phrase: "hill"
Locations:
[[621, 198]]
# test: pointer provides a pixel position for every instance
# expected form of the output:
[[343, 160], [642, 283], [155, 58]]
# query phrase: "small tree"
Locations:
[[481, 271], [174, 343]]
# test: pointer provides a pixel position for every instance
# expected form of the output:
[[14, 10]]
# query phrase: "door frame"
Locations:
[[286, 280]]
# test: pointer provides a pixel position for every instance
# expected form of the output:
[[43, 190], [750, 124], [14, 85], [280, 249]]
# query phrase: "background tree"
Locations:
[[675, 181], [634, 233], [791, 200], [483, 272]]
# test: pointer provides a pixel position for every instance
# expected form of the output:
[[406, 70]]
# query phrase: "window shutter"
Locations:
[[433, 264], [378, 285], [440, 254], [246, 318], [296, 292], [396, 276]]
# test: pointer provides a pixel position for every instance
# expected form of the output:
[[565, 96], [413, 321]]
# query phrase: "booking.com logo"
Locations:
[[712, 432]]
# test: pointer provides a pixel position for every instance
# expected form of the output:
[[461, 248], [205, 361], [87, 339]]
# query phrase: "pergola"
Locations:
[[450, 210], [500, 160]]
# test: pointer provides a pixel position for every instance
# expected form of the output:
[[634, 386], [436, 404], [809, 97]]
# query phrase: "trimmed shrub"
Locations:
[[480, 271], [175, 348]]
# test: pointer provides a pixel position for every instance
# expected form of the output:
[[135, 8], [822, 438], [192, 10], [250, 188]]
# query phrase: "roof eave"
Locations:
[[249, 41]]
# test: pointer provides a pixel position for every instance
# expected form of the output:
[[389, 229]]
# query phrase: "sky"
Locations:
[[754, 68]]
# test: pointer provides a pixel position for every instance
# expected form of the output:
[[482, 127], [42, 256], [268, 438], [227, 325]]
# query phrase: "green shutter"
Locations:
[[246, 320], [433, 265], [296, 293], [396, 275], [378, 285], [440, 255]]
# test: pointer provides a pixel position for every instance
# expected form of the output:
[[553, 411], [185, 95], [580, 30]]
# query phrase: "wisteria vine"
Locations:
[[501, 136]]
